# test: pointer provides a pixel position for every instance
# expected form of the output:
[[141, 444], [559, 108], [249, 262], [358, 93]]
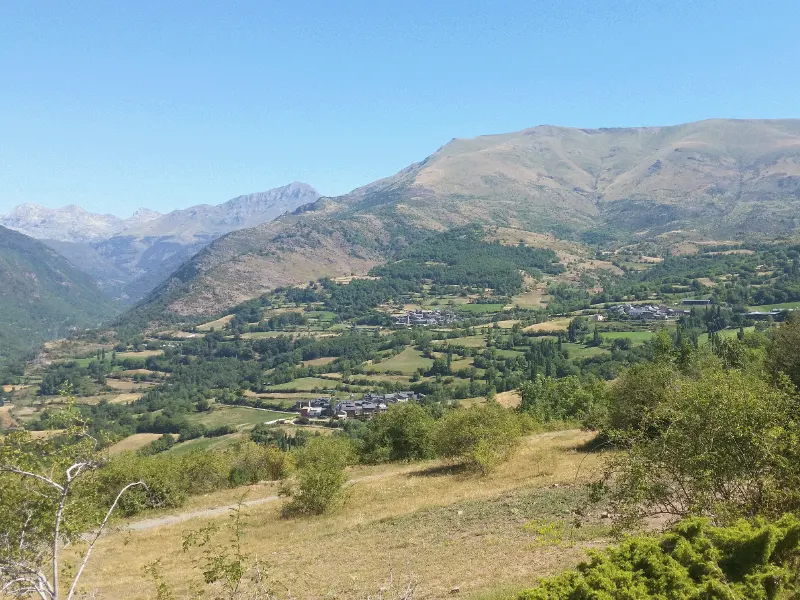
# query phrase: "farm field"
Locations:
[[216, 324], [782, 306], [581, 351], [441, 527], [132, 443], [236, 416], [480, 309], [408, 361], [636, 337], [315, 362], [304, 384], [471, 341], [205, 444], [552, 325]]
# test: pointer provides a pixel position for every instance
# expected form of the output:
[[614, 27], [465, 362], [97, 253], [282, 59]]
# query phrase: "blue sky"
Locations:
[[116, 105]]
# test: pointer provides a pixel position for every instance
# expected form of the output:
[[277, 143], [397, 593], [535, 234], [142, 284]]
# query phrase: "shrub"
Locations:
[[746, 561], [401, 433], [721, 444], [479, 438], [319, 487], [784, 351], [548, 399], [253, 463]]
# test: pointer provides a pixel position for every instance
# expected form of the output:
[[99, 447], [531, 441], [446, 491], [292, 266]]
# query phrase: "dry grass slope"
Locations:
[[445, 528]]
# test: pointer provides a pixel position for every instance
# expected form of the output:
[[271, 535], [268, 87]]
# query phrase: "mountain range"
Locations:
[[713, 179], [129, 257]]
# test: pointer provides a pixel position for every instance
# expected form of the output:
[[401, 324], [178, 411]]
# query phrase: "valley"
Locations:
[[453, 400]]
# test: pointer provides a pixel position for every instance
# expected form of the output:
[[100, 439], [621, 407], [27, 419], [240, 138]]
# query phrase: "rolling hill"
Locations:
[[42, 296], [129, 257], [714, 178]]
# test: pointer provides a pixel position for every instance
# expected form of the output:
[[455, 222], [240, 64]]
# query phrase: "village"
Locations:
[[369, 405], [416, 318]]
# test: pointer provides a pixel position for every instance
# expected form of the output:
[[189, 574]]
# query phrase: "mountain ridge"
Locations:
[[129, 257], [717, 177]]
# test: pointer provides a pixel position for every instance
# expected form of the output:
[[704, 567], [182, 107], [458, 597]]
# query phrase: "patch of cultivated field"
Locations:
[[461, 363], [554, 325], [235, 416], [507, 324], [124, 385], [124, 398], [534, 298], [204, 444], [580, 351], [216, 324], [408, 361], [781, 306], [636, 337], [304, 384], [470, 341], [315, 362], [6, 420], [141, 354], [133, 442], [444, 528], [480, 309]]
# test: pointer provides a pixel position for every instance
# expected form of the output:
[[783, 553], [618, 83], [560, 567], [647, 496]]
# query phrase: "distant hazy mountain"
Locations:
[[717, 179], [42, 295], [129, 257], [69, 223]]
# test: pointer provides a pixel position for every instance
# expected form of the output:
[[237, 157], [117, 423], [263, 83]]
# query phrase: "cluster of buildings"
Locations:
[[414, 318], [368, 405], [646, 312], [758, 315]]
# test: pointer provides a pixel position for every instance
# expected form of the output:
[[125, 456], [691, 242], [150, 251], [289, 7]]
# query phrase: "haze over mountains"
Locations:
[[715, 178], [128, 257]]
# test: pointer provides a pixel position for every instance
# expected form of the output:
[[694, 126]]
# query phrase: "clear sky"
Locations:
[[115, 105]]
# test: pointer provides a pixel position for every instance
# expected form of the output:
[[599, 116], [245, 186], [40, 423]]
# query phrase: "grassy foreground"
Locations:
[[424, 520]]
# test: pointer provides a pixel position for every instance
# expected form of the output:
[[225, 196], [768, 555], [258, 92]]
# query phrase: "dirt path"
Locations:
[[221, 511]]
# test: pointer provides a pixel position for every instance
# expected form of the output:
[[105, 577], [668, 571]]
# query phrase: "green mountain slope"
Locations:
[[42, 296], [714, 178]]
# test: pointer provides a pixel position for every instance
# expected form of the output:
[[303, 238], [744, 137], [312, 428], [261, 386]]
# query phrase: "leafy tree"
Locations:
[[784, 351], [480, 437], [548, 399], [319, 487], [404, 432], [721, 443]]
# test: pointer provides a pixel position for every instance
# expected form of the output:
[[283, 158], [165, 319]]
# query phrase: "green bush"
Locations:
[[401, 433], [721, 443], [567, 399], [746, 561], [480, 437], [253, 463], [319, 487]]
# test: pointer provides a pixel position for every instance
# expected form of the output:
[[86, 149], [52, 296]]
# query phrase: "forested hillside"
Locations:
[[42, 296]]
